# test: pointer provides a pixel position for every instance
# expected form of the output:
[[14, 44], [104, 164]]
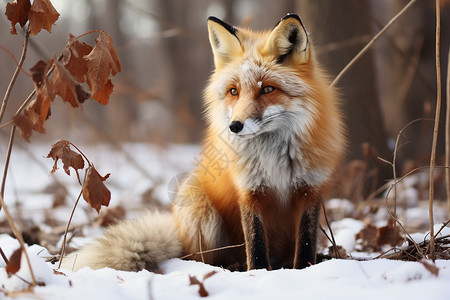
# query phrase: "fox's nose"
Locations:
[[236, 126]]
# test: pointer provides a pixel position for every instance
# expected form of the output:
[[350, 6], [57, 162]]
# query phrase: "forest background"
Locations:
[[166, 61]]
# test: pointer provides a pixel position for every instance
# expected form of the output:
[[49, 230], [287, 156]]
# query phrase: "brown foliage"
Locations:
[[61, 150], [41, 14], [17, 12], [64, 77], [13, 265], [102, 61], [94, 190]]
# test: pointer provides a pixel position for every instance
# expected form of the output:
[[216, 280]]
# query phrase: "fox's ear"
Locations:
[[288, 40], [224, 41]]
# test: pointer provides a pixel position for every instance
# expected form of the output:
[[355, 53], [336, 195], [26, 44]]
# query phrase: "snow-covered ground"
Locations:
[[29, 198]]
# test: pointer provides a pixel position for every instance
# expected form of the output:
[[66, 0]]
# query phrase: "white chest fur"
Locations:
[[275, 161]]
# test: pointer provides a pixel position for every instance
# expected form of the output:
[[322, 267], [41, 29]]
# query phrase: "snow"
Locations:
[[333, 279]]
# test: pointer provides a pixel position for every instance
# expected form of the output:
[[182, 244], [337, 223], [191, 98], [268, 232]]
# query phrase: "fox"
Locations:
[[274, 135]]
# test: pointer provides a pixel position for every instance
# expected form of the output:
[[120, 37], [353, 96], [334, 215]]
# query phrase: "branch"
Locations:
[[372, 41], [19, 237], [16, 73]]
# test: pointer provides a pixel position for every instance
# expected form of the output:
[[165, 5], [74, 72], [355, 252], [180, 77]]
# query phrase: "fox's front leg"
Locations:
[[306, 235], [255, 239]]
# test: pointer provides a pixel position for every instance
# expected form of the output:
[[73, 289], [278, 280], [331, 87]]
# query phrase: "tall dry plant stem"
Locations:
[[15, 75], [447, 137], [16, 231], [19, 237], [372, 41], [435, 133]]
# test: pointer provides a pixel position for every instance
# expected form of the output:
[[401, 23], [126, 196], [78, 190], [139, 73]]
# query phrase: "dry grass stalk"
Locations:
[[435, 133], [447, 137]]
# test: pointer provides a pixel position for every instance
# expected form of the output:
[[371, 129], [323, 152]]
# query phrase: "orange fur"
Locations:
[[274, 137], [222, 175]]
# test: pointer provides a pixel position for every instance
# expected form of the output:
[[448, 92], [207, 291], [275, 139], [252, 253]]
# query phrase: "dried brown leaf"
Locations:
[[39, 72], [38, 111], [17, 12], [430, 267], [13, 265], [63, 85], [61, 150], [388, 235], [25, 126], [94, 190], [369, 237], [201, 287], [102, 62], [42, 15], [73, 58], [82, 94]]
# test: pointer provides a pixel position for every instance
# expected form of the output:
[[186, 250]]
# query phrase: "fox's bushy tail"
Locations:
[[131, 245]]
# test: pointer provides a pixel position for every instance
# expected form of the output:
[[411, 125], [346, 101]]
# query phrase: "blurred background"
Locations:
[[166, 61]]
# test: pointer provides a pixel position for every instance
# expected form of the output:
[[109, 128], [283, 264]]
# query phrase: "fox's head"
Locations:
[[263, 81]]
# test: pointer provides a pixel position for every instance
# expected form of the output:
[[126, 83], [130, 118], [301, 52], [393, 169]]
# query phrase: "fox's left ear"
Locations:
[[224, 41], [288, 40]]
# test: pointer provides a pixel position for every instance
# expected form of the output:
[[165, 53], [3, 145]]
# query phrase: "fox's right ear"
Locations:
[[288, 40], [224, 41]]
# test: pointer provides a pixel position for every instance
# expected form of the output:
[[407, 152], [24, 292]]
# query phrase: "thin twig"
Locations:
[[435, 133], [389, 211], [372, 41], [14, 59], [4, 256], [63, 246], [447, 137], [81, 152], [14, 77], [18, 235], [7, 124], [442, 227], [8, 158], [213, 250], [333, 241], [394, 160]]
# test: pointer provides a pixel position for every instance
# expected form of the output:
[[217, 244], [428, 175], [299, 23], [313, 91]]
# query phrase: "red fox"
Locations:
[[274, 136]]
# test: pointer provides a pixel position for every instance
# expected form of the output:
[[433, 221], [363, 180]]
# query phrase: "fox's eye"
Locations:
[[267, 89], [234, 92]]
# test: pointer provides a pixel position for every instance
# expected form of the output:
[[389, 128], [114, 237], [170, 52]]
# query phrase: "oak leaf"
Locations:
[[17, 12], [73, 58], [13, 265], [102, 62], [42, 15], [94, 190], [61, 150]]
